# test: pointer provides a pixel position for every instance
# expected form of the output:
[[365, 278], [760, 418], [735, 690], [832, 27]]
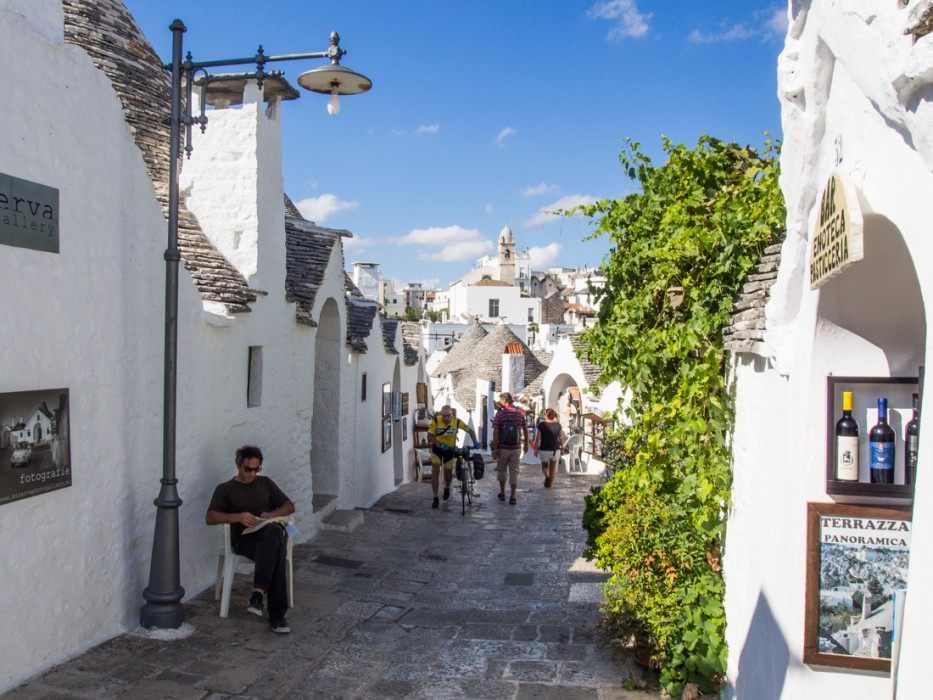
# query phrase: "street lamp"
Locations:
[[163, 595]]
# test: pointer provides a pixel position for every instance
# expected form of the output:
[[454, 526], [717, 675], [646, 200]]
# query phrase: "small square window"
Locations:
[[493, 308], [254, 377]]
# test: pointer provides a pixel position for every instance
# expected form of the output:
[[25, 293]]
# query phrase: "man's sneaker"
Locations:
[[281, 626], [435, 503], [501, 496], [446, 492], [255, 603]]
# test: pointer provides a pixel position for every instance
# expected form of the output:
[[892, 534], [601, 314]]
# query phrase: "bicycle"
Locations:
[[466, 475]]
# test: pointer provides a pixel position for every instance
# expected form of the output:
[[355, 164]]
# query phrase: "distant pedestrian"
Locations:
[[548, 445], [509, 440]]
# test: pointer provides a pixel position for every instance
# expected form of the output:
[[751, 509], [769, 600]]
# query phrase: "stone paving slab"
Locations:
[[415, 603]]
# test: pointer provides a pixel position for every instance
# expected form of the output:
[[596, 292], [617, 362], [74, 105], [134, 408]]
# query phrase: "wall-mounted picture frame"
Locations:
[[386, 433], [857, 562], [405, 404], [386, 399], [35, 443]]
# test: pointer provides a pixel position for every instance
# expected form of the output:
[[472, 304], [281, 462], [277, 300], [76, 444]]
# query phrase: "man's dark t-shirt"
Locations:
[[549, 435], [261, 496]]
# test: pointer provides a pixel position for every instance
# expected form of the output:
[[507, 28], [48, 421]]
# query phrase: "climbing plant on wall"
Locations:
[[681, 249]]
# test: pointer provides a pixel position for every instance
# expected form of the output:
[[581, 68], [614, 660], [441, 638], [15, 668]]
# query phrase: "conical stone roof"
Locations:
[[461, 354], [485, 362]]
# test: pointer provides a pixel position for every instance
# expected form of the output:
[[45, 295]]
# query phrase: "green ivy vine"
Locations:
[[692, 234]]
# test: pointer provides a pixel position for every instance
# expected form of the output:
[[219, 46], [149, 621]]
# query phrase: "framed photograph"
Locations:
[[405, 403], [386, 399], [386, 433], [857, 561], [35, 444]]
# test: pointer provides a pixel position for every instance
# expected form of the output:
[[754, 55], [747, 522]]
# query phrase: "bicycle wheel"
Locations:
[[463, 490]]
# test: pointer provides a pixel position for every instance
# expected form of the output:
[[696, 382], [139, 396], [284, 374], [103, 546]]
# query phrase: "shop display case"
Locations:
[[865, 392]]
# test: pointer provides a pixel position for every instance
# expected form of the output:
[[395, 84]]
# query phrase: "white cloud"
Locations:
[[428, 129], [539, 189], [431, 282], [543, 256], [735, 32], [459, 252], [440, 235], [764, 25], [548, 212], [452, 243], [504, 134], [356, 243], [629, 21], [777, 21], [320, 209]]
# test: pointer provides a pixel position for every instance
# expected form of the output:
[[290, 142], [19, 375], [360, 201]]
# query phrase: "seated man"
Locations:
[[442, 437], [242, 502]]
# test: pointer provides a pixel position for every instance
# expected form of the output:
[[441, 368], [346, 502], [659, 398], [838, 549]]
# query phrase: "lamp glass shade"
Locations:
[[334, 78]]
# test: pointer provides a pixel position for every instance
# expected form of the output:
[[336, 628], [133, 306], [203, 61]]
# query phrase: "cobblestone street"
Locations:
[[415, 603]]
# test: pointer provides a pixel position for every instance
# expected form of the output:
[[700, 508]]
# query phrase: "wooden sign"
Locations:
[[837, 241]]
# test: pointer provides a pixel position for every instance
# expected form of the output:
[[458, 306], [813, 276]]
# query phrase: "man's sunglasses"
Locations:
[[250, 470]]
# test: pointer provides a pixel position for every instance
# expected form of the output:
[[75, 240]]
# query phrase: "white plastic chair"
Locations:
[[227, 566], [573, 455]]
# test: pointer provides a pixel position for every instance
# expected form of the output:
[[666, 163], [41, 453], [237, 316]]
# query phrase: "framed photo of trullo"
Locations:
[[857, 563], [35, 443]]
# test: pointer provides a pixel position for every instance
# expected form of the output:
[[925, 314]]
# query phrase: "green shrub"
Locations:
[[699, 223]]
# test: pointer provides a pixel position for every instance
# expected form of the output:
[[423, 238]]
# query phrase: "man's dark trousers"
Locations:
[[268, 548]]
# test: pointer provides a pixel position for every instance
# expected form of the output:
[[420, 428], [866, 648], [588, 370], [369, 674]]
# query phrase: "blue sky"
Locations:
[[488, 112]]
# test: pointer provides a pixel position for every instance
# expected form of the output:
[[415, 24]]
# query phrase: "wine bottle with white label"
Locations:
[[881, 447], [846, 442], [912, 444]]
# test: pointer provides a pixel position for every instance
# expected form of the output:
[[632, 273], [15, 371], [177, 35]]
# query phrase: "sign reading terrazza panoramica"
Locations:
[[858, 563], [28, 214], [837, 241]]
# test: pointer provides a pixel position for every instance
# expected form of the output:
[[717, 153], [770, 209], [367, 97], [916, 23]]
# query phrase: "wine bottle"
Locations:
[[912, 443], [881, 447], [846, 442]]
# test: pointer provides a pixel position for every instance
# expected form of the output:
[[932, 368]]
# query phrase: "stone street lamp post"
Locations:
[[163, 595]]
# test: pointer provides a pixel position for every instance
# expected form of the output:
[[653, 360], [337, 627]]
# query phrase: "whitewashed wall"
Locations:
[[474, 301], [841, 111], [88, 319]]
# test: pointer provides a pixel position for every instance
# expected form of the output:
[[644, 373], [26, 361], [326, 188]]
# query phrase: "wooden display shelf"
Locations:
[[862, 490]]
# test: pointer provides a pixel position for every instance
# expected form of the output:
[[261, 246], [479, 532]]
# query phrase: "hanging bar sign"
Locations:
[[28, 214], [837, 241]]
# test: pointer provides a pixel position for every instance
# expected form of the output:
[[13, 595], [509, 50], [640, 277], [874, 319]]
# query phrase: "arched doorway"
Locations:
[[871, 322], [325, 422], [397, 451], [560, 398]]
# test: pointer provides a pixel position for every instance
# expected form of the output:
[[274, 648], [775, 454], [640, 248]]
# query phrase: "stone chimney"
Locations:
[[513, 369], [233, 181]]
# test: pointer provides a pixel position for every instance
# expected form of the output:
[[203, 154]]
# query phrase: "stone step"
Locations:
[[343, 520], [323, 504]]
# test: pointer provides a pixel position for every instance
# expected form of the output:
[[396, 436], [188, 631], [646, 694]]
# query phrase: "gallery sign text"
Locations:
[[28, 214]]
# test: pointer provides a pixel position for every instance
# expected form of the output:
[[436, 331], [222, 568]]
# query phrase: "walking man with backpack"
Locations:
[[509, 440]]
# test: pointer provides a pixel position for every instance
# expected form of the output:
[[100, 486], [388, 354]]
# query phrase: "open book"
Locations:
[[265, 521]]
